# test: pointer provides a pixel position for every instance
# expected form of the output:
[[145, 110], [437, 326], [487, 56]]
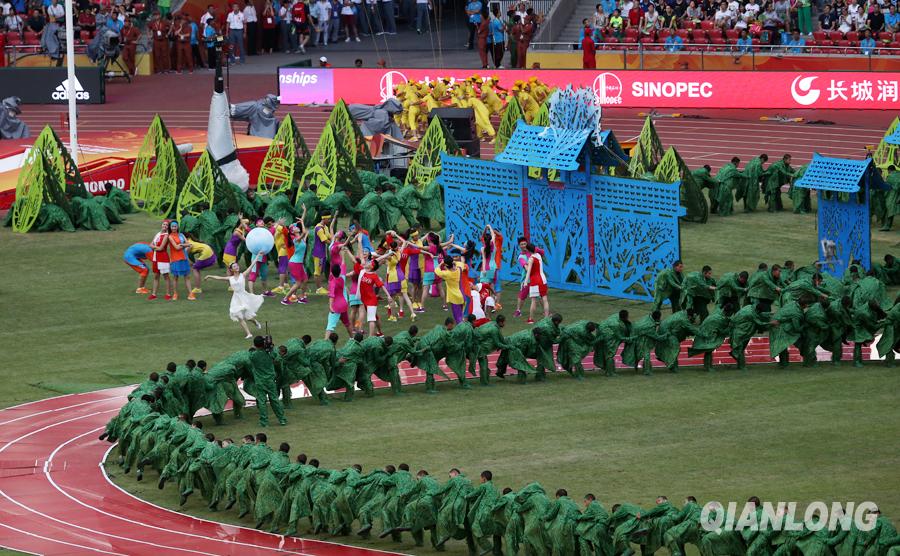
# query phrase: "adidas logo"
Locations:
[[62, 91]]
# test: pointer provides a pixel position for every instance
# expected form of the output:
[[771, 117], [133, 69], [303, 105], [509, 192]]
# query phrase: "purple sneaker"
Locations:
[[303, 300], [286, 301], [268, 294]]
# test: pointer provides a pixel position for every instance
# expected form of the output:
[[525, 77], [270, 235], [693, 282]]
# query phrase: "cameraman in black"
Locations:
[[262, 360]]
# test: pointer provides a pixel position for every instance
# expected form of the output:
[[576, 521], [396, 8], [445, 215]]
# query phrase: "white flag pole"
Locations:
[[70, 92]]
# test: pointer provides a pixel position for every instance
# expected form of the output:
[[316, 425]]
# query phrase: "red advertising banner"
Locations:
[[657, 89]]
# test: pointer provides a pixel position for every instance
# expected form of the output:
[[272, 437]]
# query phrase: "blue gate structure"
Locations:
[[600, 233], [843, 219]]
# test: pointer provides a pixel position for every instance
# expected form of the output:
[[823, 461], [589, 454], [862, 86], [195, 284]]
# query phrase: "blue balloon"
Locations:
[[259, 240]]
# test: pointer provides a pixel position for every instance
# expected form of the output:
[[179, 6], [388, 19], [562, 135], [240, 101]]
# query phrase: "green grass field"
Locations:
[[74, 324]]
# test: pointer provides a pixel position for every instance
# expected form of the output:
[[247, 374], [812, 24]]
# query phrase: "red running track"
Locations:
[[55, 497]]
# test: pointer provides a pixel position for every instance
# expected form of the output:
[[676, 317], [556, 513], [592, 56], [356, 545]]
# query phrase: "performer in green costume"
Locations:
[[866, 320], [562, 517], [791, 325], [754, 173], [685, 527], [698, 291], [270, 477], [703, 177], [674, 330], [263, 370], [731, 181], [643, 340], [610, 335], [744, 325], [765, 286], [489, 337], [711, 335], [451, 518], [778, 174], [480, 518], [668, 285], [532, 505], [576, 341], [731, 289], [592, 529]]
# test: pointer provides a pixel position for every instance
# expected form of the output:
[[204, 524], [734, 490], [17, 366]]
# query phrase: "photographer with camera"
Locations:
[[263, 387]]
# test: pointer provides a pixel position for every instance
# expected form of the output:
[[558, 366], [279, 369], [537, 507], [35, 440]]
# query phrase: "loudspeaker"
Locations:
[[461, 123]]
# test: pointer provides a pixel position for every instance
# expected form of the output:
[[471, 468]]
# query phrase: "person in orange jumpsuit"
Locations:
[[484, 28], [588, 50], [182, 32], [129, 37], [159, 30], [527, 32]]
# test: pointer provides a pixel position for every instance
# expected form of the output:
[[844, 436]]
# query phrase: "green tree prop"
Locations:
[[155, 189], [426, 163], [285, 160], [647, 153], [671, 168], [322, 168], [205, 187], [348, 135], [511, 117], [886, 155], [64, 162]]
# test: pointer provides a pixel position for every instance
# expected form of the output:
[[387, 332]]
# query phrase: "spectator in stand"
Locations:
[[251, 25], [300, 18], [827, 19], [473, 10], [498, 29], [693, 15], [744, 43], [269, 28], [674, 43], [669, 20], [796, 44], [876, 20], [14, 22], [752, 8], [513, 39], [616, 24], [348, 18], [892, 20], [235, 23], [772, 23], [804, 17], [588, 50], [36, 22], [650, 21], [57, 10], [599, 19], [5, 8], [847, 21], [867, 44], [722, 19], [87, 20], [635, 15], [387, 17], [679, 7], [782, 8]]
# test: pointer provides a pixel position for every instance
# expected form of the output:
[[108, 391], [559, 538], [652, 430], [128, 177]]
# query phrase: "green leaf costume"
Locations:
[[674, 330], [710, 336], [592, 530], [480, 515], [532, 504], [791, 323], [753, 173], [685, 529], [561, 517], [667, 286], [610, 335], [644, 339], [730, 180], [730, 290], [451, 519], [744, 325], [576, 341]]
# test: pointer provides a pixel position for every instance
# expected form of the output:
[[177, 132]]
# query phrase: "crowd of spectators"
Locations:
[[797, 26]]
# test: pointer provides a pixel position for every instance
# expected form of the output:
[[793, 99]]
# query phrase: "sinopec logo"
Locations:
[[302, 78], [388, 81], [802, 90], [608, 88]]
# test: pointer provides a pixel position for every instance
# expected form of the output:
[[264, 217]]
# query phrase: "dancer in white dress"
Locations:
[[244, 304]]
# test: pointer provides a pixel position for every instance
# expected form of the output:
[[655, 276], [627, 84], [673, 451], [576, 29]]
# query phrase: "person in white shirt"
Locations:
[[5, 8], [626, 7], [722, 17], [321, 11], [235, 24], [251, 24], [14, 22], [348, 20], [56, 10]]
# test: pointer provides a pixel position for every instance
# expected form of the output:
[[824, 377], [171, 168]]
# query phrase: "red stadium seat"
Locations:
[[852, 36], [664, 34], [85, 36], [717, 40], [819, 35], [707, 25], [632, 34], [835, 36], [699, 36], [896, 46], [31, 38], [731, 41], [885, 36], [13, 38], [754, 42], [732, 34], [138, 8], [685, 34]]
